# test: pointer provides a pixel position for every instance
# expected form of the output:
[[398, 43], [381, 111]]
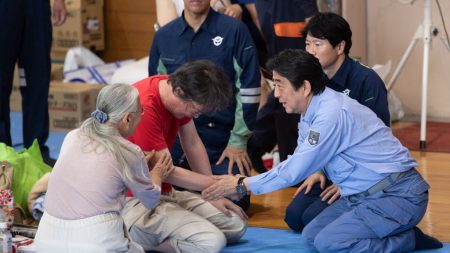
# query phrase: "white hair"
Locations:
[[115, 100]]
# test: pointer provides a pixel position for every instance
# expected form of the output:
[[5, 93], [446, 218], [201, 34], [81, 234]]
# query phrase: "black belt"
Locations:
[[381, 185]]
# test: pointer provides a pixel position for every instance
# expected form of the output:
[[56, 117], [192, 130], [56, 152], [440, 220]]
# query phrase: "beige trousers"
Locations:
[[98, 234], [188, 222]]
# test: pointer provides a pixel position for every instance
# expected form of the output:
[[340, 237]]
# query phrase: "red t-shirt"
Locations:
[[158, 127]]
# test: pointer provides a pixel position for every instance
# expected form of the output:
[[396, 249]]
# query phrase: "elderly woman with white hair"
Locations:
[[95, 168]]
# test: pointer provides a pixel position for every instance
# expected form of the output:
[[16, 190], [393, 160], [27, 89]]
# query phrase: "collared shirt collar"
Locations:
[[340, 78], [312, 107], [208, 25]]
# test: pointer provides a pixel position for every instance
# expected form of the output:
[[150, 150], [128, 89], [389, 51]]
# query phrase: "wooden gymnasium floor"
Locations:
[[268, 210]]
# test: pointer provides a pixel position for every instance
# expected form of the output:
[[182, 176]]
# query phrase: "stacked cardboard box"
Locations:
[[84, 26], [15, 100], [71, 103], [68, 103]]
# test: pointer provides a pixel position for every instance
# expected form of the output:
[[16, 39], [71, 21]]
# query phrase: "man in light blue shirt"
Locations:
[[383, 196], [329, 39]]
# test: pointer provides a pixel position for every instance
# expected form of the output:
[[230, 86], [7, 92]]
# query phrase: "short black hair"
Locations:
[[202, 82], [332, 27], [297, 65]]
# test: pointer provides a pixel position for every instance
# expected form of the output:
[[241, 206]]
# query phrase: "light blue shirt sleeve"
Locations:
[[308, 157], [346, 139]]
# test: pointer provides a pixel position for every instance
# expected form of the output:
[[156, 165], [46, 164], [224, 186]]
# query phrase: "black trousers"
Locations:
[[26, 38], [305, 207]]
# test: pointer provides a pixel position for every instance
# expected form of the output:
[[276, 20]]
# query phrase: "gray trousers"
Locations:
[[188, 222]]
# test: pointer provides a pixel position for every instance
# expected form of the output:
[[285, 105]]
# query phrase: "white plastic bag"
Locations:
[[395, 107], [100, 74], [131, 73], [80, 57], [394, 103]]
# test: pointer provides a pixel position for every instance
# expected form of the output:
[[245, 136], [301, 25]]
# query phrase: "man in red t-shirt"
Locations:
[[182, 221]]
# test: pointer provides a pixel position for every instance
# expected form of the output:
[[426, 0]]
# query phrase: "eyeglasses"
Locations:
[[141, 111], [193, 109]]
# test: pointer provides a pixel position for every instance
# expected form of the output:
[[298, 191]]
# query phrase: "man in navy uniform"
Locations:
[[383, 195], [202, 33], [26, 37], [281, 24]]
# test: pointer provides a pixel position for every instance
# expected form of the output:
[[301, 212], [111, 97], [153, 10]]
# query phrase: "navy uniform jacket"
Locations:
[[272, 13], [345, 138], [226, 42], [26, 39], [274, 126], [363, 84]]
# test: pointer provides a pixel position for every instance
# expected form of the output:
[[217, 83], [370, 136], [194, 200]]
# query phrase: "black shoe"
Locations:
[[48, 160], [424, 241], [45, 152]]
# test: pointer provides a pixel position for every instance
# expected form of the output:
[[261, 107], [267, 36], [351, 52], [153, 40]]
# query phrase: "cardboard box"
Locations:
[[57, 72], [70, 104], [15, 100], [84, 26], [58, 56]]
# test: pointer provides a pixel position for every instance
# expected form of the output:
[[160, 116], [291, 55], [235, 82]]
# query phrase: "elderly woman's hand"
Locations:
[[162, 169]]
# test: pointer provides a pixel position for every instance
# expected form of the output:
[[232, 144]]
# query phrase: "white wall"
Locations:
[[354, 11], [390, 27]]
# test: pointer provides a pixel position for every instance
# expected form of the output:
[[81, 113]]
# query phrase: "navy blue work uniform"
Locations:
[[274, 15], [364, 85], [26, 37], [383, 196], [274, 125], [254, 31], [226, 42]]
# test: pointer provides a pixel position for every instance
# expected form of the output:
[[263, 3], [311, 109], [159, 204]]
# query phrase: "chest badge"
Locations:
[[346, 92], [217, 41], [313, 137]]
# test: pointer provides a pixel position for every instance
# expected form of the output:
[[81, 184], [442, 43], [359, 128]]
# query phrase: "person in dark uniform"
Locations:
[[281, 24], [26, 32], [329, 39], [250, 18], [202, 33], [383, 195]]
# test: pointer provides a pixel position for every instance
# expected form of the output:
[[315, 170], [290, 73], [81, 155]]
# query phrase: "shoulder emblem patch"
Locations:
[[313, 137], [346, 92]]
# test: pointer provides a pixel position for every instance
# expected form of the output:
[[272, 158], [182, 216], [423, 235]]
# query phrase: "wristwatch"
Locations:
[[240, 188]]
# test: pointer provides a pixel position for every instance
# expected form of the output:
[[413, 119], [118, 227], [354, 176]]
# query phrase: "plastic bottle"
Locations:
[[5, 238], [276, 158]]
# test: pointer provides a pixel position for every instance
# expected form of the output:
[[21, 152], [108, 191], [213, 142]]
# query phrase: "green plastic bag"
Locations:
[[28, 167]]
